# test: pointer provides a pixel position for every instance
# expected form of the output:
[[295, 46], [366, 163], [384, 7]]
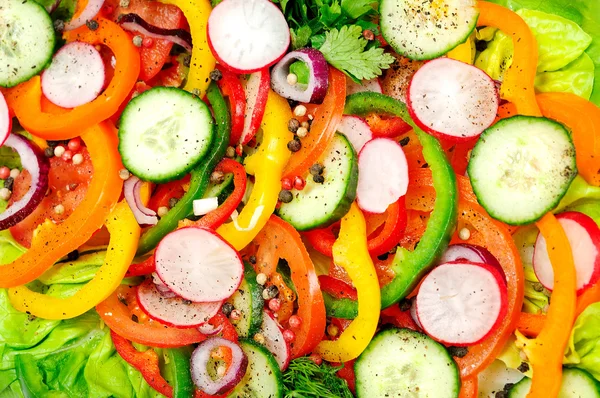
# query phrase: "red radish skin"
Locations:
[[373, 85], [584, 237], [382, 175], [5, 120], [174, 311], [198, 265], [452, 100], [461, 303], [75, 76], [357, 130], [471, 254], [274, 341], [256, 86], [247, 35]]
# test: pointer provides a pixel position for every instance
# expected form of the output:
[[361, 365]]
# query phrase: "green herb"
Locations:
[[345, 49], [304, 378], [301, 70]]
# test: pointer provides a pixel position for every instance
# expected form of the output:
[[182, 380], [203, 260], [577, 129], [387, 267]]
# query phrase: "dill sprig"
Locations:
[[305, 379]]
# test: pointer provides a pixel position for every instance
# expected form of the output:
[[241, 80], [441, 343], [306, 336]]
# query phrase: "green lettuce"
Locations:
[[585, 13], [583, 350], [577, 78]]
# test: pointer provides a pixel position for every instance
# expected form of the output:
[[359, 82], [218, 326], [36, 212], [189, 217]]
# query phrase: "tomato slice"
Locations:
[[164, 16], [67, 186]]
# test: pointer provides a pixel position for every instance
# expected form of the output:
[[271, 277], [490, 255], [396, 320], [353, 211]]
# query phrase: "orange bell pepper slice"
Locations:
[[517, 86], [52, 242], [469, 387], [280, 240], [25, 99], [324, 125]]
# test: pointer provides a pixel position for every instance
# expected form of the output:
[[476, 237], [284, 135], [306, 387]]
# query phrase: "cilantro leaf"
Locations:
[[357, 8], [300, 36], [345, 50]]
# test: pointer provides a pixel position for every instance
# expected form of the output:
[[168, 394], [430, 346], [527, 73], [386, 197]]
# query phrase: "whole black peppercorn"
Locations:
[[135, 318], [215, 75], [8, 183], [285, 196], [59, 25], [319, 179], [227, 308], [271, 291], [405, 304], [252, 259], [49, 152], [404, 141], [92, 25], [317, 169], [458, 352], [293, 125], [501, 394], [294, 145], [173, 202], [523, 367], [74, 255]]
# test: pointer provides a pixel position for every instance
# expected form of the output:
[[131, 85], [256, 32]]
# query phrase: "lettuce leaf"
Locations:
[[583, 350], [585, 13], [577, 78]]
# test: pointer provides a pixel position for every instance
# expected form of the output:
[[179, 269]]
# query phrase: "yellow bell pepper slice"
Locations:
[[464, 52], [350, 252], [125, 233], [203, 62], [267, 167]]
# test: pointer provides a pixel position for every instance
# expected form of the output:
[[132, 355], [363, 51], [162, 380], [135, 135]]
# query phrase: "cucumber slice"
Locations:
[[319, 205], [423, 30], [402, 362], [162, 146], [249, 301], [263, 378], [576, 383], [521, 167], [26, 41]]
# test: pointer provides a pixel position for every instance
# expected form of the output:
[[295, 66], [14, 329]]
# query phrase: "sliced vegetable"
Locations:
[[312, 92], [5, 120], [200, 366], [461, 303], [518, 178], [263, 377], [85, 11], [408, 361], [584, 238], [135, 23], [248, 300], [174, 311], [247, 35], [472, 254], [272, 331], [204, 206], [373, 85], [131, 191], [575, 383], [452, 100], [426, 30], [256, 86], [27, 46], [382, 175], [356, 130], [232, 88]]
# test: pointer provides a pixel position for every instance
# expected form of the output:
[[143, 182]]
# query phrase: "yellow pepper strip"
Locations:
[[125, 232], [464, 52], [546, 351], [517, 86], [267, 167], [203, 62], [351, 253]]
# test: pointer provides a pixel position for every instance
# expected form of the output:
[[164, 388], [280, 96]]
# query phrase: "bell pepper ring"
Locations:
[[25, 99], [52, 242], [350, 251], [125, 233], [231, 87]]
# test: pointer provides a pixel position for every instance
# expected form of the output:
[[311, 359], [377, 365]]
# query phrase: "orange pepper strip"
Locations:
[[546, 351], [52, 242], [517, 86], [25, 99], [469, 387], [325, 122]]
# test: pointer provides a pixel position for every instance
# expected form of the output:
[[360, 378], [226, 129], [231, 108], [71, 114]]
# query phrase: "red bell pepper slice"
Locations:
[[337, 288], [395, 225], [401, 319], [258, 110], [231, 87], [389, 127], [165, 192]]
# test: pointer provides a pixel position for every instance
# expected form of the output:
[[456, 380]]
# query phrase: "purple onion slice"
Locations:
[[135, 23], [131, 190], [318, 82], [473, 254], [34, 161], [200, 363], [92, 9]]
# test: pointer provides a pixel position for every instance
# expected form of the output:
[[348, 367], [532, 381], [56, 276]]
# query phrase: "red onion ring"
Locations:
[[131, 190], [471, 253], [317, 82], [209, 330], [92, 9], [50, 8], [34, 161], [135, 23], [199, 366]]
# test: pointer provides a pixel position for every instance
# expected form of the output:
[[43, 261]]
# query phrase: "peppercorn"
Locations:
[[187, 60], [293, 125], [73, 256], [405, 304], [294, 145], [270, 292], [368, 34], [458, 352], [59, 25], [49, 152], [317, 169], [135, 318], [538, 287], [227, 308], [501, 394], [173, 202], [319, 179], [285, 196], [404, 141], [92, 25], [8, 183], [215, 75], [523, 367], [137, 41], [252, 259], [217, 177], [187, 302]]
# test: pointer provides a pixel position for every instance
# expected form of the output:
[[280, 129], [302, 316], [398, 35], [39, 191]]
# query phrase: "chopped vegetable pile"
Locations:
[[300, 198]]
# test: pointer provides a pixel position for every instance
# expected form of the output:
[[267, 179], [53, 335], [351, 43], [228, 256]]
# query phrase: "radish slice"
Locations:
[[584, 237], [471, 254], [274, 341], [414, 315], [175, 311], [461, 303], [247, 35], [256, 87], [452, 100], [382, 175], [356, 130], [75, 76], [161, 287], [5, 120], [92, 9], [198, 265], [373, 85]]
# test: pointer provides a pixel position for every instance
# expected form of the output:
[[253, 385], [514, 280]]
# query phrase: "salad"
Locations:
[[307, 198]]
